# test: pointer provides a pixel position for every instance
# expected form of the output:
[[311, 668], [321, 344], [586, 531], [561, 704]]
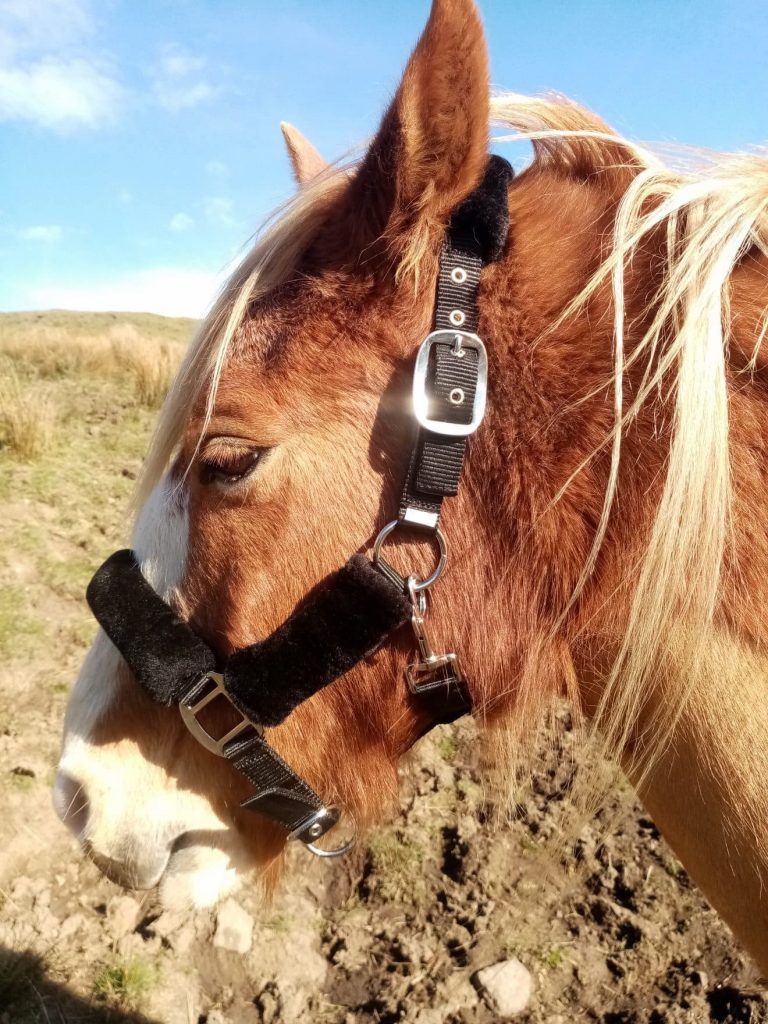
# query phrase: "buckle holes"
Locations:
[[456, 397], [457, 317], [459, 275]]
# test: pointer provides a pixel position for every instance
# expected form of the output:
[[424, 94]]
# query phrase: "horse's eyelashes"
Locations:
[[227, 468]]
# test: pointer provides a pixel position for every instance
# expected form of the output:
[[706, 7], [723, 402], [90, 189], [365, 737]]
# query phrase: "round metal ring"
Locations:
[[337, 851], [436, 535]]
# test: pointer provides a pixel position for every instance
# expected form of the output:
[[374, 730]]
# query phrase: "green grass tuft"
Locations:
[[125, 983], [448, 746]]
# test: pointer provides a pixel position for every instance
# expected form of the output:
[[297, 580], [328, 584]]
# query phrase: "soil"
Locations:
[[612, 931]]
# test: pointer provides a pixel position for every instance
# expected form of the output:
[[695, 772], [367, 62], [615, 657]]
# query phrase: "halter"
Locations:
[[352, 612]]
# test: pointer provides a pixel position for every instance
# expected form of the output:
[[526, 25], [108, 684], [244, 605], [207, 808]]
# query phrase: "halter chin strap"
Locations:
[[351, 613]]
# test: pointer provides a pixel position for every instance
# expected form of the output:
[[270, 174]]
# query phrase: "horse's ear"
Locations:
[[431, 148], [306, 162]]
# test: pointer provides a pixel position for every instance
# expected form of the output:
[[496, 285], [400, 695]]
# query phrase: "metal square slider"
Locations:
[[460, 342], [206, 690]]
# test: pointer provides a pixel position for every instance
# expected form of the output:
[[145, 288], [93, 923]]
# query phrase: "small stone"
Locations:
[[132, 945], [234, 928], [506, 987], [269, 1007], [181, 941], [428, 1015], [71, 926], [122, 915], [167, 923]]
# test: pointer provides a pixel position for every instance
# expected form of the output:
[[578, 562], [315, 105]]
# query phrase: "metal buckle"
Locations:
[[189, 713], [433, 669], [460, 340]]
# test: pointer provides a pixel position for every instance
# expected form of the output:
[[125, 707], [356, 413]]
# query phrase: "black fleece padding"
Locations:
[[484, 215], [163, 652], [343, 620]]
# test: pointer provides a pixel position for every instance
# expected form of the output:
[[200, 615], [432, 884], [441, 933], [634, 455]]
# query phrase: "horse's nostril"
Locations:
[[70, 802], [129, 871], [121, 859]]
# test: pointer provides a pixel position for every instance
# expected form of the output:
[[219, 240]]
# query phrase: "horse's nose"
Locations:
[[123, 862]]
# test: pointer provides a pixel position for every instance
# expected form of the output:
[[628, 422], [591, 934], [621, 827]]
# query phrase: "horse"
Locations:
[[608, 544]]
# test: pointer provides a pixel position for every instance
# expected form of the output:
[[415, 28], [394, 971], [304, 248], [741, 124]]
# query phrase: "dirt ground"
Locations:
[[612, 932]]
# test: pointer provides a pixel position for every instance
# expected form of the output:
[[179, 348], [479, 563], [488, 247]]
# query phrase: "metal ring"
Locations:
[[459, 275], [337, 851], [442, 544]]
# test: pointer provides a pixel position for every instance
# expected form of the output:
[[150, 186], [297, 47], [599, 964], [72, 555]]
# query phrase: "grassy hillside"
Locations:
[[67, 324], [78, 395]]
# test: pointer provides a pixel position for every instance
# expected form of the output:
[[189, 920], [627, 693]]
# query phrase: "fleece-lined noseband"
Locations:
[[351, 613]]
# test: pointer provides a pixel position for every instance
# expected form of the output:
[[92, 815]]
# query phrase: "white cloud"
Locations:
[[59, 94], [46, 75], [35, 26], [178, 81], [217, 169], [181, 222], [177, 64], [218, 211], [170, 291], [40, 233]]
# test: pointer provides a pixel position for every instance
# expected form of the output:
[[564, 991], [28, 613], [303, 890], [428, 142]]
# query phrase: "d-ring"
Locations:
[[436, 534], [338, 852]]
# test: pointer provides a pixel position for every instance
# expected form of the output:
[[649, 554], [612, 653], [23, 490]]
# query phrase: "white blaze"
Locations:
[[131, 810]]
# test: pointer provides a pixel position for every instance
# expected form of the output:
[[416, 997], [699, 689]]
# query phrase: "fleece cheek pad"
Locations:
[[342, 621]]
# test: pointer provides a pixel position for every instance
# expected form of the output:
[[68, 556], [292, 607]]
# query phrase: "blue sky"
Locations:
[[139, 141]]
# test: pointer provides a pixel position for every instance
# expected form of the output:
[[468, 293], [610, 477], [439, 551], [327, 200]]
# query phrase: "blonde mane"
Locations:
[[713, 208]]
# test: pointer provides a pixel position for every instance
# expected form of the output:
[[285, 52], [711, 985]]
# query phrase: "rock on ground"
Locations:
[[234, 928], [506, 987]]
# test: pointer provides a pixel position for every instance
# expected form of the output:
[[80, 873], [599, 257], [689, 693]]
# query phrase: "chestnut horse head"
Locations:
[[606, 544]]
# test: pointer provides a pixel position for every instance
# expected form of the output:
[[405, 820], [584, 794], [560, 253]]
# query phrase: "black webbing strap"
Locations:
[[476, 236], [279, 793], [436, 461]]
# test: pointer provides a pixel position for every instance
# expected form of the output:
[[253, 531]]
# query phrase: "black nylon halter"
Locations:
[[351, 613]]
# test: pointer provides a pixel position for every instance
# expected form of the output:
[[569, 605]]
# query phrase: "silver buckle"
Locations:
[[460, 340], [189, 713]]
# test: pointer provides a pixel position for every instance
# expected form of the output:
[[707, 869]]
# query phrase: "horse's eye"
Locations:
[[223, 465]]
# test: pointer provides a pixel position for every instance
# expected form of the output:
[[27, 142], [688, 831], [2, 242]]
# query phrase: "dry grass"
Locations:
[[150, 364], [27, 416], [139, 348]]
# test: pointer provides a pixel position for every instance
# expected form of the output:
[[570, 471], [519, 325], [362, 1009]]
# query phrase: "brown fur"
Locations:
[[319, 375]]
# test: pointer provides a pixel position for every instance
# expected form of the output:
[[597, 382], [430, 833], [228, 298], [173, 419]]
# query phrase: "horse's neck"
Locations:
[[708, 792]]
